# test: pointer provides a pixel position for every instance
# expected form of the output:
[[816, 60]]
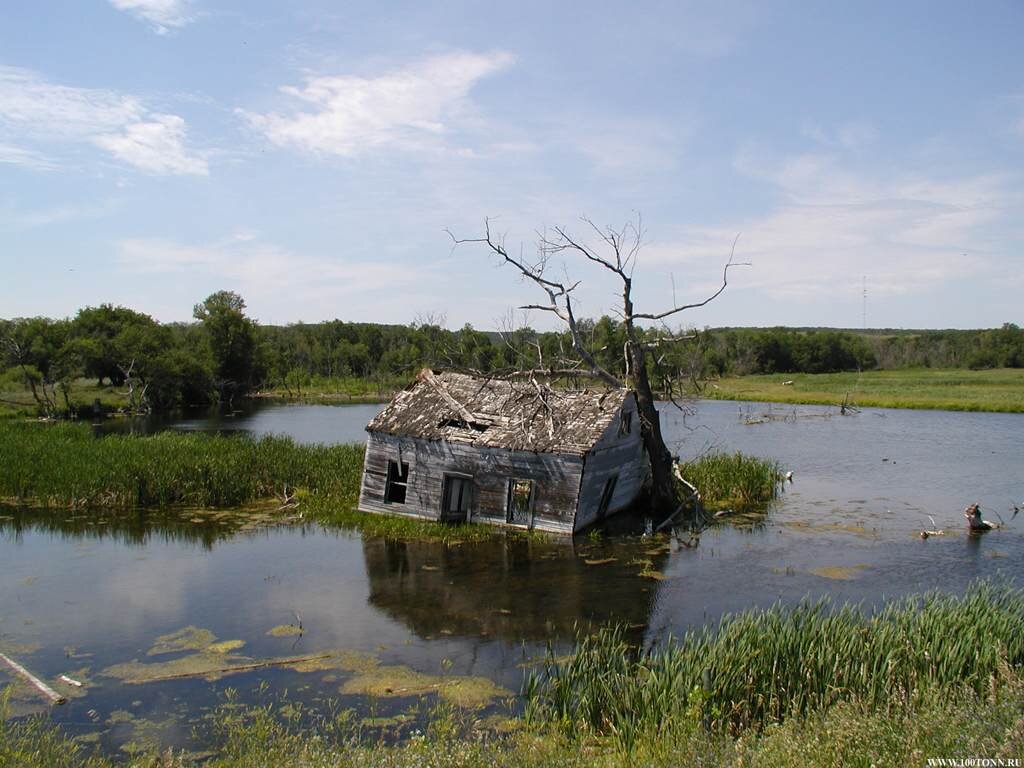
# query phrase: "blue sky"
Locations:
[[311, 154]]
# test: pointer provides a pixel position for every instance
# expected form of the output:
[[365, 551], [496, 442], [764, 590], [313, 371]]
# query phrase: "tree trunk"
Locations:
[[663, 490]]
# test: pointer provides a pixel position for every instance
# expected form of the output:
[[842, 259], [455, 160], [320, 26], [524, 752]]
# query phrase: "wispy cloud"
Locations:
[[163, 15], [851, 135], [34, 110], [264, 271], [12, 219], [12, 155], [409, 109], [157, 145], [906, 233]]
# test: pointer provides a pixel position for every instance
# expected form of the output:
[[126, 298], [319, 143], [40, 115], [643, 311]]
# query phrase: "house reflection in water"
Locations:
[[505, 588]]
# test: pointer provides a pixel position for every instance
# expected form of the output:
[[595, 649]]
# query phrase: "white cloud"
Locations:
[[164, 15], [33, 109], [157, 146], [409, 109], [833, 226]]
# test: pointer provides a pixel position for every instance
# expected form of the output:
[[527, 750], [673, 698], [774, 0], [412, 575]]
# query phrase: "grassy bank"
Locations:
[[764, 667], [928, 677], [16, 399], [954, 390], [335, 390], [64, 466]]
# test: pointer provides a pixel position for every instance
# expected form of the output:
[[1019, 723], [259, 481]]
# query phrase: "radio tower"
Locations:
[[864, 303]]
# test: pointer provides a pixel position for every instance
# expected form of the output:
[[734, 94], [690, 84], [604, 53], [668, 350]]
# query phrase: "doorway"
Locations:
[[456, 498]]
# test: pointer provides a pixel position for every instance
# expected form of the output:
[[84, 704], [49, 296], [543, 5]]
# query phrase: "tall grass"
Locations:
[[762, 667], [733, 479], [63, 465]]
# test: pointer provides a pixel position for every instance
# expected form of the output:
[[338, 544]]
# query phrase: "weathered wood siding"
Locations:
[[613, 454], [556, 477]]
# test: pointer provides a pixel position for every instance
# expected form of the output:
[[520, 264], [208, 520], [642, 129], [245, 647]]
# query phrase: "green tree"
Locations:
[[233, 343], [41, 350]]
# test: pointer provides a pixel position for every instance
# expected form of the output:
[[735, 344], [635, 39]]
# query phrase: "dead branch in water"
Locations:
[[36, 683]]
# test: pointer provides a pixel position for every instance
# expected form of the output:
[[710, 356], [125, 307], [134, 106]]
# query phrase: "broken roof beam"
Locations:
[[467, 416]]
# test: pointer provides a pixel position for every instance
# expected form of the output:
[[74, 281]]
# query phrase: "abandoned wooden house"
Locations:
[[456, 448]]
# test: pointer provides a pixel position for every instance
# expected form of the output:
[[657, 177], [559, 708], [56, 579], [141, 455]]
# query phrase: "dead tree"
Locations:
[[617, 253]]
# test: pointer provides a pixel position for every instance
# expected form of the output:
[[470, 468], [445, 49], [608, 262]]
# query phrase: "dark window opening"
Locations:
[[398, 482], [625, 422], [457, 496], [606, 495], [476, 426], [520, 502]]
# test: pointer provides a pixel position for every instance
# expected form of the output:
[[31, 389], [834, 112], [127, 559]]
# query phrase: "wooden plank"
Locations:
[[36, 683]]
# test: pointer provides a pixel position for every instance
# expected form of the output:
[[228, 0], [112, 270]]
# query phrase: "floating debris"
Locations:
[[600, 561]]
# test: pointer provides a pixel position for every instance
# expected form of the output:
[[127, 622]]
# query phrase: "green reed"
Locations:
[[765, 666], [63, 465], [733, 479]]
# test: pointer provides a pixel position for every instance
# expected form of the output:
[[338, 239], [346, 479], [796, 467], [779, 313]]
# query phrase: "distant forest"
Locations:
[[225, 354]]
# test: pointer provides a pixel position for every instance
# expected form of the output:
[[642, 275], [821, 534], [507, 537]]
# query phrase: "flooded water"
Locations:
[[86, 595]]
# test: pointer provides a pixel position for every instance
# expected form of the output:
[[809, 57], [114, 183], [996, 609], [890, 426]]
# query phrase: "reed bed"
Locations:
[[63, 465], [734, 480], [766, 666]]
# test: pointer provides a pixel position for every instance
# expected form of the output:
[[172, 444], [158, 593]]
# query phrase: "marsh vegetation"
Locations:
[[812, 685]]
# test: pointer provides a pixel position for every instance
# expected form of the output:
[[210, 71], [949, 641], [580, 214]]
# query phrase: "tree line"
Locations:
[[225, 354]]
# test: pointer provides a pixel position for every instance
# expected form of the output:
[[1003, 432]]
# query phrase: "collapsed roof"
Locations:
[[494, 413]]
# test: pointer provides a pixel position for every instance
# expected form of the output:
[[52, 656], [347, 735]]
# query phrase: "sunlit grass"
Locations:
[[733, 480], [64, 466], [956, 390], [767, 666]]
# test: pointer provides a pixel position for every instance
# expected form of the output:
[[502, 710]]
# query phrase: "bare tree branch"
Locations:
[[559, 295], [725, 282]]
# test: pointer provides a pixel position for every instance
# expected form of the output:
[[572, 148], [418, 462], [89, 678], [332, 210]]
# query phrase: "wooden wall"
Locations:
[[613, 454], [557, 478]]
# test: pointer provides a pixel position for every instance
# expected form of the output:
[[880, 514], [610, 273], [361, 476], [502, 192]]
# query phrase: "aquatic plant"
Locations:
[[63, 465], [766, 666], [286, 734], [733, 479]]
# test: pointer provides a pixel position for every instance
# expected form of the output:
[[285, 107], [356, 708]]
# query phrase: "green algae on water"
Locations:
[[284, 630], [838, 572], [185, 639]]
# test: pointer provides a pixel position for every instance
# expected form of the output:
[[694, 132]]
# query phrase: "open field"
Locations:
[[1000, 389]]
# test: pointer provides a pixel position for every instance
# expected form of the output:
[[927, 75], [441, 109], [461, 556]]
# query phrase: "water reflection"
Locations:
[[136, 528], [511, 589]]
